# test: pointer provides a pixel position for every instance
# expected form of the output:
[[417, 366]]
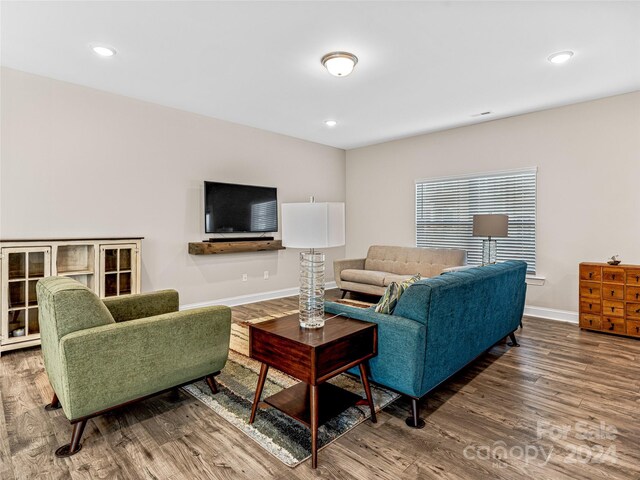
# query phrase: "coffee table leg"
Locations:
[[263, 376], [367, 390], [314, 426]]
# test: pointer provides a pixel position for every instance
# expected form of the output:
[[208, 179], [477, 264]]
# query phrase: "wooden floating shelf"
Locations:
[[213, 248]]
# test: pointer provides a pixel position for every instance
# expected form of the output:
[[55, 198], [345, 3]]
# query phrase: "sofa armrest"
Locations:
[[142, 305], [340, 265], [401, 347], [109, 365]]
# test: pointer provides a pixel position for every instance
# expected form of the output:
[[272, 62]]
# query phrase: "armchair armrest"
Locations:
[[340, 265], [109, 365], [142, 305]]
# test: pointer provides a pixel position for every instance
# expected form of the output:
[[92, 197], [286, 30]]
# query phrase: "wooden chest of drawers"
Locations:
[[610, 298]]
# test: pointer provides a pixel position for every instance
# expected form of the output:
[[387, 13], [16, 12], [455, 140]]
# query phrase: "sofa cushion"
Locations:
[[369, 277], [428, 262], [392, 277]]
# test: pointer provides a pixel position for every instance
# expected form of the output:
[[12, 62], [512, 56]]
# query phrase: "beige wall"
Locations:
[[588, 156], [79, 162]]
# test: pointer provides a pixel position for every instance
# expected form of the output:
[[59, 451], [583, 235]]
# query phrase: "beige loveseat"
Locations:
[[386, 264]]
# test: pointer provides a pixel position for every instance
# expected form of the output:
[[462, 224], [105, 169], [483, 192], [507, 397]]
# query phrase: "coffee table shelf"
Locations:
[[295, 401]]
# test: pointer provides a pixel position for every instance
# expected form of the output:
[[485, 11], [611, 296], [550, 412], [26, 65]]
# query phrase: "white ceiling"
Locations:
[[424, 66]]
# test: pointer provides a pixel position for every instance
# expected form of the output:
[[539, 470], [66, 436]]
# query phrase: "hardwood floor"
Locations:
[[539, 400]]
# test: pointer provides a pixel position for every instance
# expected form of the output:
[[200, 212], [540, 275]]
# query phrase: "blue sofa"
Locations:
[[440, 325]]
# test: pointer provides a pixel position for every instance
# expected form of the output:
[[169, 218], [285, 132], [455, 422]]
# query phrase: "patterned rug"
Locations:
[[285, 438]]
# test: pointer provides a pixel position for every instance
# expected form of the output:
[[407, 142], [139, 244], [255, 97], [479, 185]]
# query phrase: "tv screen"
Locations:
[[231, 208]]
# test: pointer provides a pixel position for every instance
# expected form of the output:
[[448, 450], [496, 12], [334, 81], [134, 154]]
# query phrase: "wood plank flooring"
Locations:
[[566, 404]]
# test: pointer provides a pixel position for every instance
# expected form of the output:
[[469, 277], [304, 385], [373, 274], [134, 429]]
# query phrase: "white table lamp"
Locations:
[[311, 226]]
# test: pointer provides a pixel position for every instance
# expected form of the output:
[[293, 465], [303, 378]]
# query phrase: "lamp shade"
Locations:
[[492, 225], [313, 225]]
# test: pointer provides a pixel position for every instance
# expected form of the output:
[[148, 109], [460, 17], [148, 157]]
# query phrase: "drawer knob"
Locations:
[[590, 306], [637, 278], [591, 322], [613, 277], [637, 295], [613, 309], [637, 310], [611, 327], [591, 275], [613, 292], [591, 290]]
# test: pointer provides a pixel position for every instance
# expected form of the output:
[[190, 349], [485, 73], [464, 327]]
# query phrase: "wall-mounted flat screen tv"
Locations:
[[232, 208]]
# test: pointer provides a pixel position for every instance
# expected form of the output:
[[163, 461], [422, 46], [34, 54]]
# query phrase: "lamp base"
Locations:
[[489, 251], [311, 301]]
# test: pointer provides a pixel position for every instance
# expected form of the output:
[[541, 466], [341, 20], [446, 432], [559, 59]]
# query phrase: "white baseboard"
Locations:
[[251, 298], [551, 314]]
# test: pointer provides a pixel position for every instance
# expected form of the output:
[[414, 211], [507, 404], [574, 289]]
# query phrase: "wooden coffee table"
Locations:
[[313, 356]]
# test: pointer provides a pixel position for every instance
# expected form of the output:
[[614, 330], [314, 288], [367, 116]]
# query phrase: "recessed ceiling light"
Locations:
[[560, 57], [103, 50], [339, 64], [330, 123]]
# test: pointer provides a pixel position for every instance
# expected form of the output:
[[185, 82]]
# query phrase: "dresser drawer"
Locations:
[[590, 272], [589, 306], [633, 310], [593, 322], [633, 276], [613, 324], [613, 275], [633, 328], [613, 308], [633, 294], [590, 290], [613, 291]]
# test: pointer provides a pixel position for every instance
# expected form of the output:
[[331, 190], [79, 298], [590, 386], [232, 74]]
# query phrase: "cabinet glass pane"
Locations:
[[36, 264], [111, 260], [125, 283], [17, 294], [111, 285], [34, 325], [16, 265], [125, 259], [16, 323], [33, 298]]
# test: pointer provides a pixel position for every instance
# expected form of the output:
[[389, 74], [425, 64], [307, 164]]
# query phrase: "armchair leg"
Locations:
[[54, 405], [211, 381], [414, 421], [513, 342], [75, 445], [344, 293]]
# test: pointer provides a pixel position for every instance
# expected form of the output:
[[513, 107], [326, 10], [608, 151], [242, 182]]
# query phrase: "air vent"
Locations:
[[481, 114]]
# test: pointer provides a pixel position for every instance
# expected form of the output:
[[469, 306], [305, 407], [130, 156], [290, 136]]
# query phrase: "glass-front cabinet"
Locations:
[[22, 268], [119, 270], [108, 267]]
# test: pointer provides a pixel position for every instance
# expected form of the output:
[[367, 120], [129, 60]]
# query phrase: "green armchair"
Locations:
[[102, 354]]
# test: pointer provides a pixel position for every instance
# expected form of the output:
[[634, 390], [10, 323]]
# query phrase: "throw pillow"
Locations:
[[391, 296], [407, 283], [388, 301]]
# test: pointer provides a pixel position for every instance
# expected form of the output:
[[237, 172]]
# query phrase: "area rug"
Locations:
[[285, 438]]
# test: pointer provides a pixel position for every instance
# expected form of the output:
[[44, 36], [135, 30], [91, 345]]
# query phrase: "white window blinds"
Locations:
[[445, 209]]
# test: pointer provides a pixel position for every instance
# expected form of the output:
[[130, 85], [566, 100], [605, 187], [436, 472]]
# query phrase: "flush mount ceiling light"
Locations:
[[339, 64], [330, 123], [103, 50], [560, 57]]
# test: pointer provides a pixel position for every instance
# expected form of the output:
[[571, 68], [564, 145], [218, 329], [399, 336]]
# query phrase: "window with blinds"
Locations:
[[445, 209]]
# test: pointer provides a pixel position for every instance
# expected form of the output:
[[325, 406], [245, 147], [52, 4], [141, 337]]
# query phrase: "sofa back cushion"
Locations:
[[428, 262], [480, 292]]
